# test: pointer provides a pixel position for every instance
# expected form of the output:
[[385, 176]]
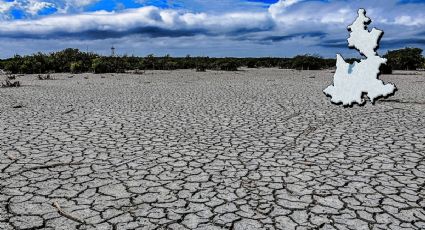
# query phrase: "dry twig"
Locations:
[[67, 215]]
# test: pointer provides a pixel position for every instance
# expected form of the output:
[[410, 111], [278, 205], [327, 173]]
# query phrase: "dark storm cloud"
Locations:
[[148, 31], [278, 38]]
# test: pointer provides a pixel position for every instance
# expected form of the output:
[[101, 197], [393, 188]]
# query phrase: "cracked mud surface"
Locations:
[[255, 149]]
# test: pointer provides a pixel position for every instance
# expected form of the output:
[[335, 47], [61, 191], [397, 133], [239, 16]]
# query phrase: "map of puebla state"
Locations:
[[351, 81]]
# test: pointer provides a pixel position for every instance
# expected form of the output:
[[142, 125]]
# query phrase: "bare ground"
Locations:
[[253, 149]]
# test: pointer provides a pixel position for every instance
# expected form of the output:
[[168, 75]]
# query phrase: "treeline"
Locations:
[[404, 59], [76, 61]]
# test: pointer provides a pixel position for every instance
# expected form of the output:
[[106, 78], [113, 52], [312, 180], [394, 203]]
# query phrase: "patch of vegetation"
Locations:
[[75, 61], [309, 62], [44, 77], [11, 77], [228, 65], [8, 83], [201, 68], [77, 67], [405, 59]]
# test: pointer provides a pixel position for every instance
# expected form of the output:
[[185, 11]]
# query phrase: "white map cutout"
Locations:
[[351, 81]]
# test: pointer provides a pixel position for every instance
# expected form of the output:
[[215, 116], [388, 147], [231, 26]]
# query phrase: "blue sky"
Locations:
[[240, 28]]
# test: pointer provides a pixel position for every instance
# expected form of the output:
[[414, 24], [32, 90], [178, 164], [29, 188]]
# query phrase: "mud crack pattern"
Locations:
[[255, 149]]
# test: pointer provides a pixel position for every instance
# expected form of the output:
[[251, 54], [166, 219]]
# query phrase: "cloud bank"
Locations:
[[312, 26]]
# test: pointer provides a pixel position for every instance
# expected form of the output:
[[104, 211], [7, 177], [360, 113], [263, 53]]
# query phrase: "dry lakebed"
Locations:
[[252, 149]]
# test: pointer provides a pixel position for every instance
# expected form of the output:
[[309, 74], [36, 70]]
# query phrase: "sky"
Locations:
[[215, 28]]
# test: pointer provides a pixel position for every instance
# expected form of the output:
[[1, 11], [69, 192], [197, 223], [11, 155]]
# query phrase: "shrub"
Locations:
[[12, 67], [201, 68], [252, 64], [285, 64], [138, 71], [405, 59], [307, 62], [7, 83], [99, 66], [11, 77], [44, 77], [76, 67], [149, 62], [170, 65], [229, 66]]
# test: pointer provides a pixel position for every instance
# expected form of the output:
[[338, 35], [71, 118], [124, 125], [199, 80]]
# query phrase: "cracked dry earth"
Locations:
[[254, 149]]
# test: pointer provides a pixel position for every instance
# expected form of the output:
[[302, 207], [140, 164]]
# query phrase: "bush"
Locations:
[[170, 65], [11, 77], [285, 64], [201, 68], [42, 77], [306, 62], [252, 64], [7, 83], [12, 66], [229, 66], [76, 67], [405, 59], [149, 62], [100, 66]]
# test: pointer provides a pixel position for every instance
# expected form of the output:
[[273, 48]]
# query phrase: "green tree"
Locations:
[[149, 62], [76, 67], [13, 65], [99, 66], [405, 59], [307, 62]]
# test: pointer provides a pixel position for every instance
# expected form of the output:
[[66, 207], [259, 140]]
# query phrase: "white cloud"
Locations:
[[307, 23], [66, 6], [80, 3], [280, 7], [286, 15], [295, 12], [33, 7], [407, 20], [135, 18], [6, 6]]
